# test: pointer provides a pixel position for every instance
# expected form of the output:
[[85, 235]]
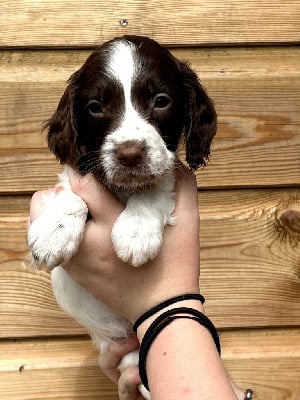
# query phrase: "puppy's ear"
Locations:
[[200, 120], [62, 132]]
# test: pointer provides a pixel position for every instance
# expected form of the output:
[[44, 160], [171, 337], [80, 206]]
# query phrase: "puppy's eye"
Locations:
[[94, 108], [161, 100]]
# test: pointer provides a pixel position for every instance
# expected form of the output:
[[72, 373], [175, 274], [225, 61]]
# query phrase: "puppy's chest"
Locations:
[[124, 195]]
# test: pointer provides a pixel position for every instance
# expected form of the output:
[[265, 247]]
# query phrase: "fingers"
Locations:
[[110, 360], [129, 380], [128, 384], [96, 196]]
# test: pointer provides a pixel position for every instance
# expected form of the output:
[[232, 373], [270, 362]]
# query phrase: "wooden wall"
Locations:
[[247, 55]]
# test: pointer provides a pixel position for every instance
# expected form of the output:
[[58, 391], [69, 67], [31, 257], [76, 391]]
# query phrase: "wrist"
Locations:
[[143, 327]]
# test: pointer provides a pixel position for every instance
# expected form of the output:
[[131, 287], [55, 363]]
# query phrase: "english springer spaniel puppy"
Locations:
[[121, 118]]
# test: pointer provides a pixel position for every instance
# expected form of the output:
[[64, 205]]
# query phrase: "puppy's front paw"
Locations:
[[136, 239], [55, 235]]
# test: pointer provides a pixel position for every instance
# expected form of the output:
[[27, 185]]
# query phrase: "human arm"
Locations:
[[129, 380], [130, 291], [174, 271]]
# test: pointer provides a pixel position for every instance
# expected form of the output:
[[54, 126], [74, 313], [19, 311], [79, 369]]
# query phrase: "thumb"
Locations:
[[100, 201]]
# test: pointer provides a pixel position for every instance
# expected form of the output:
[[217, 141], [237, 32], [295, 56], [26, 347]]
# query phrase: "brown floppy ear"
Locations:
[[200, 120], [62, 132]]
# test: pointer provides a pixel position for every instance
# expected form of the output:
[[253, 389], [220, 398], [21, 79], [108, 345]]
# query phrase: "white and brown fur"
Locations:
[[121, 118]]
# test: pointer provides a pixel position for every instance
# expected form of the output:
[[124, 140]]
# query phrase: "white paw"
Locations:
[[144, 392], [136, 239], [129, 360], [55, 235]]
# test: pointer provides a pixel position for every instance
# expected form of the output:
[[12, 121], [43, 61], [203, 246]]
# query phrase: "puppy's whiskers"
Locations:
[[87, 162]]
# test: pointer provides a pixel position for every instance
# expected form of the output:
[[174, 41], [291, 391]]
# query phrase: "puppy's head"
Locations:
[[123, 112]]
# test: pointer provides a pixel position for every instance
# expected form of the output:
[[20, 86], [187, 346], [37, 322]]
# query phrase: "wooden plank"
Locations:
[[64, 369], [268, 361], [250, 256], [257, 96], [265, 360], [49, 23], [27, 305], [249, 265]]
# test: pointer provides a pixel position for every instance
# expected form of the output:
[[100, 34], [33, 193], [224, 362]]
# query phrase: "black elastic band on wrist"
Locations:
[[161, 322], [164, 304]]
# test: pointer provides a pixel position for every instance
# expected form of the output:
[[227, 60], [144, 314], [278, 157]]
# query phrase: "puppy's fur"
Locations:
[[121, 118]]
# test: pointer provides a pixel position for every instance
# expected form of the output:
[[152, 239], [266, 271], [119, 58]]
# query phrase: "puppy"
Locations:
[[121, 118]]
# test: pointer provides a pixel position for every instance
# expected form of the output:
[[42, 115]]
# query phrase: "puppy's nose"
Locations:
[[130, 154]]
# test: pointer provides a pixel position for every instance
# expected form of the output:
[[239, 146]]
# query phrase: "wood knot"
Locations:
[[290, 221]]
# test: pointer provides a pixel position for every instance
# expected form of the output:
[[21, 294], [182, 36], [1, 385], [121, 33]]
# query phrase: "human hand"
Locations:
[[131, 291], [127, 290], [129, 379]]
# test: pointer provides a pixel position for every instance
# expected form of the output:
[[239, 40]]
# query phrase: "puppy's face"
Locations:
[[124, 111]]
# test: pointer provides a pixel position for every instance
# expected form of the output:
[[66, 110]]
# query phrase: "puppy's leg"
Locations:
[[103, 324], [138, 232], [55, 235]]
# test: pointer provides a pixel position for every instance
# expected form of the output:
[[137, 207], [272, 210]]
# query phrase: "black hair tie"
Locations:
[[164, 304]]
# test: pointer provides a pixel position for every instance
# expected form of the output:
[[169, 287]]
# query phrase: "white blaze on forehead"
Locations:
[[122, 66]]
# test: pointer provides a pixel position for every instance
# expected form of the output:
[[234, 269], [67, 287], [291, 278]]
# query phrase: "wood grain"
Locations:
[[257, 96], [268, 361], [249, 259], [250, 226], [50, 23], [27, 305], [265, 360], [250, 265]]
